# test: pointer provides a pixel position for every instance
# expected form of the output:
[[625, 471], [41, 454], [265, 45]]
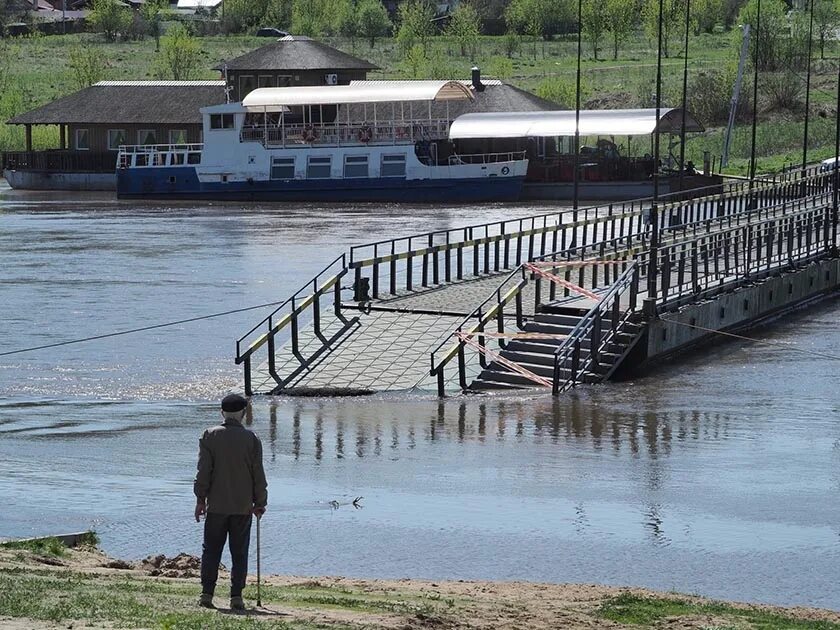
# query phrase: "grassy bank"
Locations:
[[35, 70], [47, 587]]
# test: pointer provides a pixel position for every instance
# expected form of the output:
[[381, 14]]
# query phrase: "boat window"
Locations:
[[283, 168], [393, 166], [318, 167], [82, 140], [355, 166], [177, 136], [141, 159], [221, 121], [116, 138], [194, 158], [147, 136], [176, 159]]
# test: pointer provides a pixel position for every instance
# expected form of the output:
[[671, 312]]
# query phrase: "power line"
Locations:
[[136, 330]]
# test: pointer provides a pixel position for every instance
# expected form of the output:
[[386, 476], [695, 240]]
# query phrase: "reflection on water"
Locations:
[[719, 475]]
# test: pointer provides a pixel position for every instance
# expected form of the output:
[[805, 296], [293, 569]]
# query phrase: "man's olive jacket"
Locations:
[[230, 470]]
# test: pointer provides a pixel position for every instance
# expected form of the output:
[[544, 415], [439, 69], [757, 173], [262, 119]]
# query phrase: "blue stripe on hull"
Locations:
[[154, 183]]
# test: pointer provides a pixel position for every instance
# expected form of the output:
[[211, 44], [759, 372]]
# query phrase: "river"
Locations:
[[717, 475]]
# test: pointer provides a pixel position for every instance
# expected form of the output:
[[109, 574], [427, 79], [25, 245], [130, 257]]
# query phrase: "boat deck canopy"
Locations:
[[272, 99], [607, 122]]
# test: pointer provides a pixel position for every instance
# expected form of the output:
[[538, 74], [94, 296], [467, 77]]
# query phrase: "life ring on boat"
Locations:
[[505, 170], [309, 134], [365, 134]]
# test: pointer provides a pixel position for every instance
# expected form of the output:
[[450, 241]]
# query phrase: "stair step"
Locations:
[[533, 347], [539, 369], [482, 383], [499, 375], [557, 320], [524, 356]]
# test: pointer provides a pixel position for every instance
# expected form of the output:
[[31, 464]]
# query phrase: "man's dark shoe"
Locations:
[[206, 601], [236, 603]]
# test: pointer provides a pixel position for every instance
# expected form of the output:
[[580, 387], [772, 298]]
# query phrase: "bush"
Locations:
[[110, 17], [179, 57], [501, 67], [86, 64], [710, 96], [783, 91], [562, 91]]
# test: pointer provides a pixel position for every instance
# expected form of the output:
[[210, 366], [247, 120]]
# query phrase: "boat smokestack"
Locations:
[[476, 79]]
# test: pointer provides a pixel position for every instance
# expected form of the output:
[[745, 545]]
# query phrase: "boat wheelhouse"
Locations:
[[372, 141]]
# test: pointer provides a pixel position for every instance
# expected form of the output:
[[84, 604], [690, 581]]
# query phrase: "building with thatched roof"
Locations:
[[292, 61]]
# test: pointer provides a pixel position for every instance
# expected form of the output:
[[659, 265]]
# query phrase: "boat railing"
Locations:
[[343, 134], [140, 155], [486, 158]]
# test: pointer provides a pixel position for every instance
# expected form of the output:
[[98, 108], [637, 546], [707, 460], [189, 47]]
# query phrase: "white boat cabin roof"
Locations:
[[276, 99], [607, 122]]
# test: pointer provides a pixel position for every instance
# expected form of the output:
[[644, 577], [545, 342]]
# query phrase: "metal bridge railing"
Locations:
[[304, 304]]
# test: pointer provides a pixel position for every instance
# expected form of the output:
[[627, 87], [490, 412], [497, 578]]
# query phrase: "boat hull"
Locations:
[[183, 183]]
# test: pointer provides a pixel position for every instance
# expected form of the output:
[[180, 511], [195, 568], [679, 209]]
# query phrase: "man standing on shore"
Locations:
[[230, 488]]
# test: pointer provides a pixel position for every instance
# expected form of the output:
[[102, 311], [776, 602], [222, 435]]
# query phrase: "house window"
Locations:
[[284, 80], [82, 140], [147, 136], [247, 83], [284, 168], [177, 136], [221, 121], [355, 166], [318, 168], [116, 138], [266, 80], [393, 166]]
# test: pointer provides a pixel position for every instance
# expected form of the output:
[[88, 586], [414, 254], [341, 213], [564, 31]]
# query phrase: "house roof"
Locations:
[[129, 102], [607, 122], [496, 97], [295, 52]]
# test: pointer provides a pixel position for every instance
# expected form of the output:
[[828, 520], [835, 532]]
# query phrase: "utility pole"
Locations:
[[808, 87], [653, 266], [684, 93], [756, 45], [736, 95], [833, 236], [576, 194]]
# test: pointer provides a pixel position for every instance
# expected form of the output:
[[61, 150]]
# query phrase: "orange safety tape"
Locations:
[[574, 263], [521, 335], [467, 339], [563, 283]]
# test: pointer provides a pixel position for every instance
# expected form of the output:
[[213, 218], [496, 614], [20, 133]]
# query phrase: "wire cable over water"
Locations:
[[786, 344], [141, 329]]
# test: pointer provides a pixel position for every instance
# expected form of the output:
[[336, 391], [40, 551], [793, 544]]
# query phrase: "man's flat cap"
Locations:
[[234, 402]]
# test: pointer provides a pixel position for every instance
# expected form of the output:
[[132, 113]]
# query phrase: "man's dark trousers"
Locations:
[[237, 529]]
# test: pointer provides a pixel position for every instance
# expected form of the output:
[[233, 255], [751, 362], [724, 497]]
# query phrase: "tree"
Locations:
[[537, 18], [414, 61], [180, 56], [310, 17], [826, 21], [767, 40], [594, 23], [621, 17], [87, 65], [153, 13], [465, 26], [110, 17], [372, 20], [706, 14], [672, 12], [415, 18]]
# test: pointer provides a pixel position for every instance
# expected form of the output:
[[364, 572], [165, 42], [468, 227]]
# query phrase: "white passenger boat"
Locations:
[[372, 141]]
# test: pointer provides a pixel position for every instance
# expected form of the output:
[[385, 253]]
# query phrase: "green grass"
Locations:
[[50, 546], [649, 611], [134, 602]]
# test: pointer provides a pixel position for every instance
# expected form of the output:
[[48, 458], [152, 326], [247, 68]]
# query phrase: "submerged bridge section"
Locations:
[[577, 296]]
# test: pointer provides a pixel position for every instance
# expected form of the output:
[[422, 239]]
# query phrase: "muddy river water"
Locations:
[[719, 475]]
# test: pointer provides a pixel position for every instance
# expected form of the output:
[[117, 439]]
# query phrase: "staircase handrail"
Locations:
[[274, 327], [587, 322]]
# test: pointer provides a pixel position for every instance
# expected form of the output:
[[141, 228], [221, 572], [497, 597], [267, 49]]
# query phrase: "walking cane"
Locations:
[[259, 598]]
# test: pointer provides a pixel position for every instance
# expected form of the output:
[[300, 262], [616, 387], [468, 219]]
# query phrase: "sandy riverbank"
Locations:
[[56, 588]]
